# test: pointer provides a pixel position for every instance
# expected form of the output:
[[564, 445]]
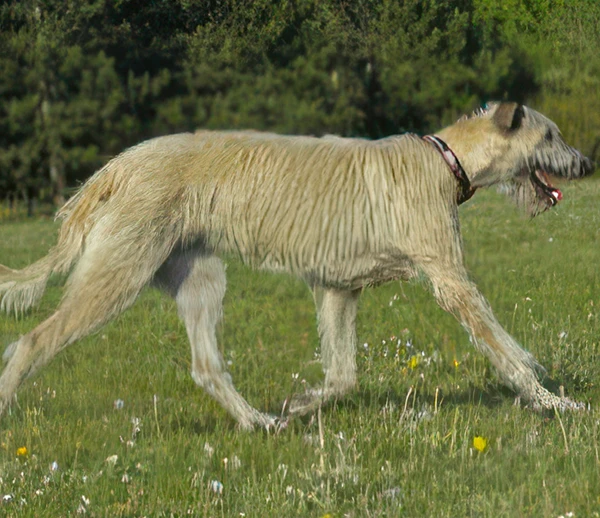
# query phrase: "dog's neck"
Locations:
[[465, 189], [477, 150]]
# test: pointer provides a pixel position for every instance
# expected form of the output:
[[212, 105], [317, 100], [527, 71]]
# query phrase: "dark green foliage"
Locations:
[[80, 81]]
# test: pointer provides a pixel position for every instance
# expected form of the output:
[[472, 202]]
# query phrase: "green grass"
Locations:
[[401, 445]]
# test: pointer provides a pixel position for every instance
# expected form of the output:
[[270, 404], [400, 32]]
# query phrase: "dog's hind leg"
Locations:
[[197, 282], [336, 316], [518, 368], [104, 283]]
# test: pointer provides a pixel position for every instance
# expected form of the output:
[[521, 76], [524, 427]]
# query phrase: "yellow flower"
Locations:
[[413, 362], [479, 443], [22, 451], [456, 363]]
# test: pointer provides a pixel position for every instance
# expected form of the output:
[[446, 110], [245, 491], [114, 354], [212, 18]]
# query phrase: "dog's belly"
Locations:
[[359, 273]]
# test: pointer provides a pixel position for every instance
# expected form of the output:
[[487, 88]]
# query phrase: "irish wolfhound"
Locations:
[[340, 213]]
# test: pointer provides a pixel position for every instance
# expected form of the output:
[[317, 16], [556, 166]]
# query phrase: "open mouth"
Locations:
[[544, 188]]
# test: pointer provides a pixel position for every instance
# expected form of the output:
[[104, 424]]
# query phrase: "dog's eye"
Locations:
[[549, 136]]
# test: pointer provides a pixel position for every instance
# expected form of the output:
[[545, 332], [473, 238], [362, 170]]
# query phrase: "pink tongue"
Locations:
[[556, 194]]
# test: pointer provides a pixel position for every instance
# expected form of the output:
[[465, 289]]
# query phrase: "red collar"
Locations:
[[466, 190]]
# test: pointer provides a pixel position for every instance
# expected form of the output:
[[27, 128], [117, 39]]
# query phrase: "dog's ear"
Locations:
[[509, 116]]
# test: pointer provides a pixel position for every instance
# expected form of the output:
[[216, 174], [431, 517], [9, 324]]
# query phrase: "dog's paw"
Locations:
[[546, 400], [567, 404]]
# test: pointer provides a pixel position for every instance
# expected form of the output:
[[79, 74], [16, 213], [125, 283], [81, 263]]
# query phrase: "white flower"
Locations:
[[208, 449], [54, 466], [112, 460], [216, 487]]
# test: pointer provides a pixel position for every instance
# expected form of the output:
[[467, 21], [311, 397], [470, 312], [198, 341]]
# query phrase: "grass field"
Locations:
[[116, 427]]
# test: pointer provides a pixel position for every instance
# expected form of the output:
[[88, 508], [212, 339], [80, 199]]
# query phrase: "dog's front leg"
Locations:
[[336, 317], [518, 368]]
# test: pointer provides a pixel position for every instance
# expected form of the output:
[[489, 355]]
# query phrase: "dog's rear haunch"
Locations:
[[340, 213]]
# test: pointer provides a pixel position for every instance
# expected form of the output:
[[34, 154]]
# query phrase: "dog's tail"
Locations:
[[22, 289]]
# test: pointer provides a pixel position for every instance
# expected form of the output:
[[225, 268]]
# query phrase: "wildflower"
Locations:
[[112, 460], [118, 404], [22, 453], [456, 364], [216, 487], [54, 466], [136, 424], [479, 443], [413, 362], [82, 509], [208, 450]]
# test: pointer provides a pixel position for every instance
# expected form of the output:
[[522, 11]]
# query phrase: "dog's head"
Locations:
[[513, 146]]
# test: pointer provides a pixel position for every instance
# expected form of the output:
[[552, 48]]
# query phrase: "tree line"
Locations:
[[80, 81]]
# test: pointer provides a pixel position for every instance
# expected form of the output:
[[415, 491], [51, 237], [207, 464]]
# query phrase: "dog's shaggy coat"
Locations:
[[340, 213]]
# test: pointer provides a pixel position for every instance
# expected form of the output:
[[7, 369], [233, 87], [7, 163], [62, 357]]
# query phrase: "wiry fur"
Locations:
[[340, 213]]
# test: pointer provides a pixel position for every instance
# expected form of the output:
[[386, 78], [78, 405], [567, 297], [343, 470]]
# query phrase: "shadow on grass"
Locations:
[[378, 400], [491, 397]]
